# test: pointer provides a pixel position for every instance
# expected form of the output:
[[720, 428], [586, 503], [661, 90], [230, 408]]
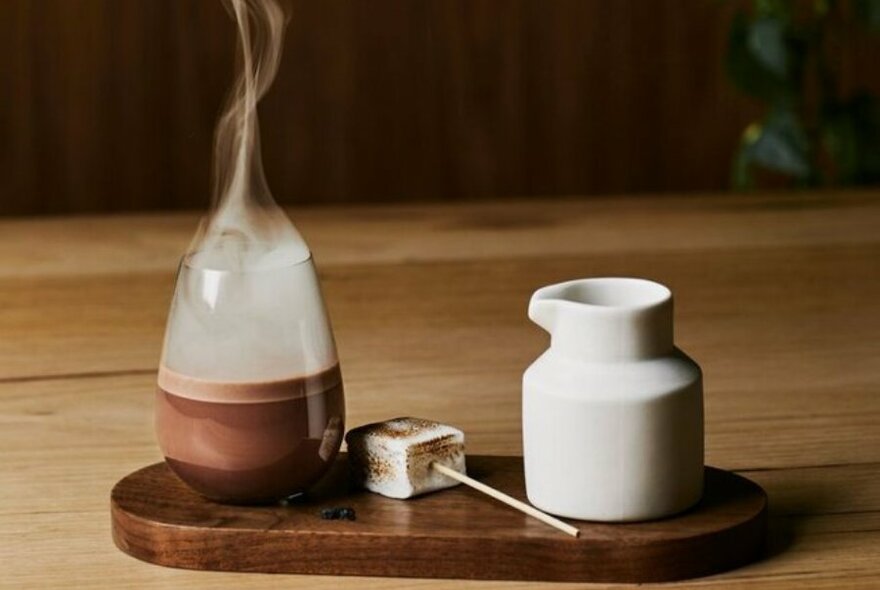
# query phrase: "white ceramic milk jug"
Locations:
[[612, 411]]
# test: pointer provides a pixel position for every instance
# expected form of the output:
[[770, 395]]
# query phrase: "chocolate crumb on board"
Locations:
[[338, 513]]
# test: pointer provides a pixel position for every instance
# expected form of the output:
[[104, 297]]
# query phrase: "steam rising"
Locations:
[[246, 229], [247, 305]]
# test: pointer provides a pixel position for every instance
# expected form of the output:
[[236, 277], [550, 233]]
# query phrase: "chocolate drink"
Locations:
[[250, 442]]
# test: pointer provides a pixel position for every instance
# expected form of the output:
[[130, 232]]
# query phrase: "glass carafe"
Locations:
[[249, 404]]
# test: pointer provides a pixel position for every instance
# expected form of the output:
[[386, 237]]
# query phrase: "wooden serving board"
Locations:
[[455, 533]]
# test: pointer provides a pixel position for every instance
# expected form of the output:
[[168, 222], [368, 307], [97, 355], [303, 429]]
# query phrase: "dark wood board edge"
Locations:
[[366, 554]]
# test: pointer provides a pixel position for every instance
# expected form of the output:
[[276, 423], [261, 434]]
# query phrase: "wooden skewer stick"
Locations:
[[512, 502]]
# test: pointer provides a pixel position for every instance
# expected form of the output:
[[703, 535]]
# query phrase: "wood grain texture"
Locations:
[[777, 297], [110, 105], [456, 533]]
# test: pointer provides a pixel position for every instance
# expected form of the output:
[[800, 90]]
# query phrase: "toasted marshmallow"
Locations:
[[394, 458]]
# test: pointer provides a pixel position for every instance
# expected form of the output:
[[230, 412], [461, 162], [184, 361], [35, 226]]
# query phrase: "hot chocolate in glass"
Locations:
[[249, 404]]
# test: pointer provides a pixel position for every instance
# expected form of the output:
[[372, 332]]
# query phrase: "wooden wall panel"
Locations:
[[110, 105]]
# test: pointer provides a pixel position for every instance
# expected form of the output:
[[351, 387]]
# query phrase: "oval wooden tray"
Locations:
[[456, 533]]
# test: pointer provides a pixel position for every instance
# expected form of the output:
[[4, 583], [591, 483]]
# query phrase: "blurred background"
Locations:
[[110, 105]]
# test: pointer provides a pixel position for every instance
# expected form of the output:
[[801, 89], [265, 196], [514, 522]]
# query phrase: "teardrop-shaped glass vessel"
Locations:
[[249, 404]]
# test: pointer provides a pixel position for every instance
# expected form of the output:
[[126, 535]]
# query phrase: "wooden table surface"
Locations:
[[777, 296]]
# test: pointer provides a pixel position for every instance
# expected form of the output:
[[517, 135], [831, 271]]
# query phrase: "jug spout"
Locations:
[[605, 319], [543, 310]]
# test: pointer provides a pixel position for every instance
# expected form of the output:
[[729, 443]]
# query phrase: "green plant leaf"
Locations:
[[868, 140], [780, 144], [840, 141], [758, 61], [851, 135], [741, 172], [766, 42], [868, 13], [780, 9]]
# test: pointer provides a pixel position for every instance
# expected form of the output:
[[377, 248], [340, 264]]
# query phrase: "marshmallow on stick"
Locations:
[[394, 458], [405, 457]]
